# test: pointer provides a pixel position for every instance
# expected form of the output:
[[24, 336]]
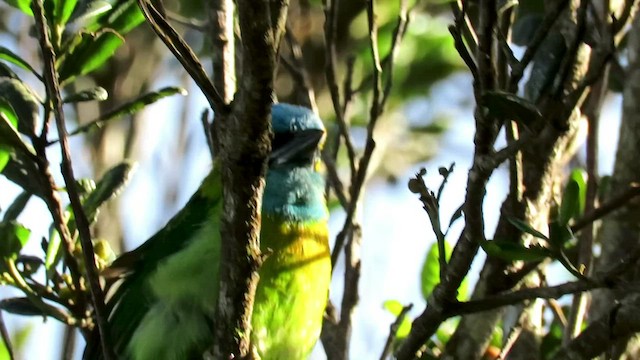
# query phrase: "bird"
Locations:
[[164, 304]]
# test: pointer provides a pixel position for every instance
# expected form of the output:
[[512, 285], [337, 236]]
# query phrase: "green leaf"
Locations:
[[92, 51], [604, 187], [22, 171], [100, 40], [570, 206], [6, 72], [21, 306], [111, 183], [22, 5], [96, 94], [63, 10], [108, 187], [524, 227], [89, 10], [579, 176], [14, 210], [525, 28], [546, 64], [8, 55], [130, 108], [24, 102], [512, 251], [431, 269], [4, 352], [430, 276], [52, 254], [13, 236], [446, 330], [395, 308], [552, 341], [506, 106], [5, 155], [559, 234], [9, 137]]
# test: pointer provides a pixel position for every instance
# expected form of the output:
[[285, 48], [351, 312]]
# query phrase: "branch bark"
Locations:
[[244, 144]]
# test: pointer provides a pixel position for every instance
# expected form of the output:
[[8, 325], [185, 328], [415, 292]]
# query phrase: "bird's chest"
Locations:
[[292, 290]]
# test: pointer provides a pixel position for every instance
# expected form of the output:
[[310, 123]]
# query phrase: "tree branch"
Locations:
[[243, 138], [82, 223]]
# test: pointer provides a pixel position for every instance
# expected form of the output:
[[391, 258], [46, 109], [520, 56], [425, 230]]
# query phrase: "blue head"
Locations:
[[294, 189]]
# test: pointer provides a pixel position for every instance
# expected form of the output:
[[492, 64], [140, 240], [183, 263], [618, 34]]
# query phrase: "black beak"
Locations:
[[299, 147]]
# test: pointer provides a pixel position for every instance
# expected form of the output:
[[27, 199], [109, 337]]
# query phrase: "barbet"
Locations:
[[164, 306]]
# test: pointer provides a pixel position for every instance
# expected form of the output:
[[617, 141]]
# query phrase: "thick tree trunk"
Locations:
[[620, 232]]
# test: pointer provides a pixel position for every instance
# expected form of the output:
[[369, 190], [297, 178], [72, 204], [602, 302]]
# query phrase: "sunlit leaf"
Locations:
[[395, 308], [52, 254], [512, 251], [4, 351], [431, 269], [446, 330], [579, 176], [570, 206], [5, 155], [430, 275], [100, 40], [95, 94], [90, 54], [89, 10], [63, 10]]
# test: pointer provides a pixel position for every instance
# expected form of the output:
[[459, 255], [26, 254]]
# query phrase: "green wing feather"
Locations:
[[137, 266]]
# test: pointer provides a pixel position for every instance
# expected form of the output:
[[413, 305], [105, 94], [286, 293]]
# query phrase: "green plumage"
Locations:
[[164, 306]]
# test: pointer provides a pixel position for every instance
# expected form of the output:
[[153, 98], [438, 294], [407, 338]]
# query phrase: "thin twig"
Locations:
[[331, 28], [334, 179], [393, 331], [398, 34], [184, 54], [514, 334], [463, 23], [221, 32], [518, 296], [607, 207], [69, 342], [82, 223], [206, 127], [299, 71], [558, 313]]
